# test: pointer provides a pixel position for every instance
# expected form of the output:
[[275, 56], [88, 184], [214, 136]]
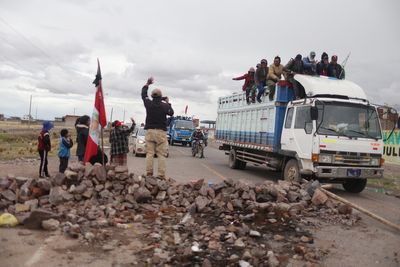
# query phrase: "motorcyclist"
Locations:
[[196, 136]]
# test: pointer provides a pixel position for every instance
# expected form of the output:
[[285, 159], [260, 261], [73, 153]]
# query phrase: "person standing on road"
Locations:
[[44, 146], [157, 110], [119, 142], [64, 148], [82, 134]]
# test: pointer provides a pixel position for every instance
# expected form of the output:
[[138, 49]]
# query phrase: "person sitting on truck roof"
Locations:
[[274, 75], [322, 66], [261, 78], [294, 66], [334, 69], [310, 64], [249, 85], [157, 110]]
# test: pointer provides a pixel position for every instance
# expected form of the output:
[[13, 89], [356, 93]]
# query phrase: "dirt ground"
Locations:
[[368, 243]]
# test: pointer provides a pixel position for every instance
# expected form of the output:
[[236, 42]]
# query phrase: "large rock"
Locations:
[[59, 179], [50, 225], [319, 197], [76, 167], [58, 195], [201, 203], [4, 183], [9, 195], [121, 169], [71, 174], [142, 195], [100, 172], [44, 184], [35, 219]]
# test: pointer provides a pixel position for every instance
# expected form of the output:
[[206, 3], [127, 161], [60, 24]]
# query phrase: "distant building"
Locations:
[[14, 118], [2, 117], [70, 120], [58, 119]]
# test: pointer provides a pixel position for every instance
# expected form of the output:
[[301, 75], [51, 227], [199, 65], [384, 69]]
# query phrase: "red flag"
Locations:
[[98, 119], [186, 108]]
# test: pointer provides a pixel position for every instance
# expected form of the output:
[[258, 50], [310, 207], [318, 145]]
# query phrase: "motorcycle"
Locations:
[[198, 149]]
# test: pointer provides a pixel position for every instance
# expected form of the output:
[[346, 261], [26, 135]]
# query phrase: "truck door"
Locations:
[[287, 139], [302, 132]]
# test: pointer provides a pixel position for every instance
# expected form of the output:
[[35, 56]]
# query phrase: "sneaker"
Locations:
[[47, 175]]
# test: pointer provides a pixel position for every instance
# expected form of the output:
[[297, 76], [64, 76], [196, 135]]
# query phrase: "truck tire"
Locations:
[[355, 185], [292, 172], [234, 163]]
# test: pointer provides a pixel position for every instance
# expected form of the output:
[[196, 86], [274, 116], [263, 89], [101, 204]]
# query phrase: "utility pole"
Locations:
[[74, 111], [124, 116], [36, 114], [30, 107], [112, 109]]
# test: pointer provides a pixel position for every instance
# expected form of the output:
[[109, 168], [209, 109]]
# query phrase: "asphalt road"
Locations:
[[182, 167]]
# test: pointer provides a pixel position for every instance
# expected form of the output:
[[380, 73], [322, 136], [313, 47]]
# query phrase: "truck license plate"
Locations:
[[354, 172]]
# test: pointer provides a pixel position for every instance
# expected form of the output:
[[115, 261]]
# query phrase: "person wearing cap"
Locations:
[[294, 66], [44, 146], [261, 78], [157, 110], [274, 75], [249, 85], [335, 70], [322, 66], [119, 142], [310, 64]]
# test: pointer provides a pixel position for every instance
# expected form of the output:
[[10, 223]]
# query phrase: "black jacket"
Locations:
[[156, 111], [336, 71], [82, 134]]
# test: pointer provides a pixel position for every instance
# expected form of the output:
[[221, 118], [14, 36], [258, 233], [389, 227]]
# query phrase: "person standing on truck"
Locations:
[[322, 67], [261, 78], [249, 85], [334, 69], [44, 146], [274, 75], [82, 134], [119, 142], [157, 110], [294, 66], [310, 64]]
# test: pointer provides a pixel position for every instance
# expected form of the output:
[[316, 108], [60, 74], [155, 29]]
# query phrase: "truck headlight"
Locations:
[[375, 161], [325, 158]]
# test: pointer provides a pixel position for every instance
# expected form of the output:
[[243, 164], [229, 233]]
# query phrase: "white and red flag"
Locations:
[[98, 120]]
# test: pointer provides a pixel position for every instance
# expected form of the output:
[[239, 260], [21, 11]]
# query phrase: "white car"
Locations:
[[139, 142]]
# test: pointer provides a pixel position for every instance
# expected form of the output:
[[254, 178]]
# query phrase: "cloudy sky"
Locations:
[[48, 49]]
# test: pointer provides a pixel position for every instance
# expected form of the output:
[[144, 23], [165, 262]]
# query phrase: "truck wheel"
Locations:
[[291, 171], [355, 185], [234, 163]]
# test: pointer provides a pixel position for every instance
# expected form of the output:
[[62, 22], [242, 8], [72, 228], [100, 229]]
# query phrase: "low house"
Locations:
[[69, 120]]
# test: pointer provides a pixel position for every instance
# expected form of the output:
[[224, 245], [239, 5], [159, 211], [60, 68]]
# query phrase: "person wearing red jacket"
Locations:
[[44, 146], [249, 85]]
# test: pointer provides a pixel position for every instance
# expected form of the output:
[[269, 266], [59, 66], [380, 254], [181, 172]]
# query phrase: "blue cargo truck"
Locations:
[[333, 134], [180, 129]]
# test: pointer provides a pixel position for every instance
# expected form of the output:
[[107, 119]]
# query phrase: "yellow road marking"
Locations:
[[214, 171]]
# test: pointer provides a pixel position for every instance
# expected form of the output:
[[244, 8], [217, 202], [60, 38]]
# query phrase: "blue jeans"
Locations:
[[261, 89]]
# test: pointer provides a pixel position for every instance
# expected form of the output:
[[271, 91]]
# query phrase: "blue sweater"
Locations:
[[64, 147]]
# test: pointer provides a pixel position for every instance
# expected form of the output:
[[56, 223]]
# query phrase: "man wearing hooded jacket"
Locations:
[[157, 110]]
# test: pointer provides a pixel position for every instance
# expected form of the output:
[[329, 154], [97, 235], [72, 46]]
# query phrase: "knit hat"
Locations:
[[47, 126]]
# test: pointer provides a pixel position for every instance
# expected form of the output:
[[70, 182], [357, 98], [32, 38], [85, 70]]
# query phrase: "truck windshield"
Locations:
[[184, 125], [346, 119]]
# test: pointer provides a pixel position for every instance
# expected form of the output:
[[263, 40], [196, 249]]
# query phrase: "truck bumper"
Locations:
[[348, 172]]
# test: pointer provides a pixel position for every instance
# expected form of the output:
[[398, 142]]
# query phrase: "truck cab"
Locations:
[[333, 134], [180, 129]]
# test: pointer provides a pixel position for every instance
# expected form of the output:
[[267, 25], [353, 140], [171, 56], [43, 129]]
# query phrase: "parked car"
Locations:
[[139, 142]]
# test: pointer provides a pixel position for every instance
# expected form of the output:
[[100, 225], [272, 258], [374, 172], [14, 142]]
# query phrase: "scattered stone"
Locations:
[[254, 233], [319, 197], [9, 195], [142, 195], [35, 219], [22, 207], [344, 209], [239, 243], [272, 259], [50, 225], [71, 175]]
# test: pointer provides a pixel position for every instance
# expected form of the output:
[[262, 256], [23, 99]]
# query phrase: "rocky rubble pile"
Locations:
[[209, 224]]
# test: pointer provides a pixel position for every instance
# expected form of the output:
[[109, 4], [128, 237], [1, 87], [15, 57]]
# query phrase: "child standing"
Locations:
[[64, 153], [44, 146]]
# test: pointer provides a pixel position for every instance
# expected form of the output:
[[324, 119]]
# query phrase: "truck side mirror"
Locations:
[[314, 113]]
